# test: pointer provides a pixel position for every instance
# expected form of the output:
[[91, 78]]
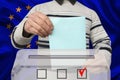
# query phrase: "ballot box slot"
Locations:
[[61, 56]]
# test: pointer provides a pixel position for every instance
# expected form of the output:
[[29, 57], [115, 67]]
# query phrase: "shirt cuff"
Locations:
[[18, 39]]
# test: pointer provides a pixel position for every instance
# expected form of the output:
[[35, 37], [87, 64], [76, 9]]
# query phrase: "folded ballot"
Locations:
[[68, 33]]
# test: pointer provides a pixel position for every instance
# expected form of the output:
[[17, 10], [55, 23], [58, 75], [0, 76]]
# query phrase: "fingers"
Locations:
[[39, 31], [45, 18], [38, 24], [41, 23]]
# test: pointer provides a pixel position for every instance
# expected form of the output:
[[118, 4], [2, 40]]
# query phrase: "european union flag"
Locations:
[[11, 13]]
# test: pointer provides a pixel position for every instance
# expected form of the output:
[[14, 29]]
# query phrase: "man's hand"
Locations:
[[38, 24]]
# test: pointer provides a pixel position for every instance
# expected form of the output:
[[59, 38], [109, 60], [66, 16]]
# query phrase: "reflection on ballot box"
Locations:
[[37, 64]]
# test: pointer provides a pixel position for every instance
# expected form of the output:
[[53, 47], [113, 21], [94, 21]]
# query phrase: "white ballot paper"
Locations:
[[68, 33]]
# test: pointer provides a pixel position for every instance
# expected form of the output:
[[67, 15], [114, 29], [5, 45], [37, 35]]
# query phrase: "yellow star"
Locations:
[[11, 17], [28, 7], [18, 9], [9, 26], [28, 46]]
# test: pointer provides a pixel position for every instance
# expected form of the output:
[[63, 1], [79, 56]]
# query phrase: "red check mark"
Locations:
[[81, 71]]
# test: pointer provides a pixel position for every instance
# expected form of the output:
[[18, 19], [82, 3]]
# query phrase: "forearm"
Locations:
[[100, 41]]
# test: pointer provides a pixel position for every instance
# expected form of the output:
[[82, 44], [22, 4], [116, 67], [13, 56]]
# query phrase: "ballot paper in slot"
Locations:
[[68, 33], [37, 64]]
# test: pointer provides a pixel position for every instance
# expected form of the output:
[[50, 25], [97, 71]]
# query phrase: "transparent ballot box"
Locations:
[[38, 64]]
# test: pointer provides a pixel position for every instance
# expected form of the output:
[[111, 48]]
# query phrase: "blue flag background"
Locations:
[[13, 11]]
